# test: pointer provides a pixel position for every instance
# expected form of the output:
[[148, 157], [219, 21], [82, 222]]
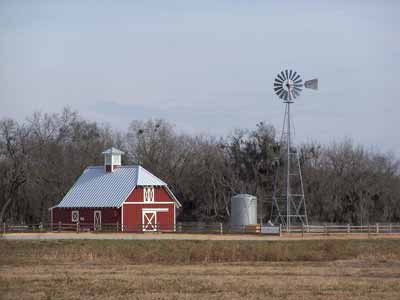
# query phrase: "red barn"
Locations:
[[128, 196]]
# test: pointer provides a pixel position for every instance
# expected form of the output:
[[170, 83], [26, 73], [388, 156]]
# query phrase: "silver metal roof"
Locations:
[[113, 150], [98, 188]]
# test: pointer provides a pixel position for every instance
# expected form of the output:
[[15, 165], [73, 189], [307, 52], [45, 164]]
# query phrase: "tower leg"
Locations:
[[288, 201]]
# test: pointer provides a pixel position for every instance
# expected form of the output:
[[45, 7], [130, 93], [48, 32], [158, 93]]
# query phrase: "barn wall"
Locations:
[[133, 216], [86, 215], [136, 195], [160, 195]]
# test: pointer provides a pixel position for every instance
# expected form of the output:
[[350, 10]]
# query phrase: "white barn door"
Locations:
[[149, 220]]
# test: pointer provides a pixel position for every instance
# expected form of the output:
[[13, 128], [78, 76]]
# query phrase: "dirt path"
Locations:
[[184, 236]]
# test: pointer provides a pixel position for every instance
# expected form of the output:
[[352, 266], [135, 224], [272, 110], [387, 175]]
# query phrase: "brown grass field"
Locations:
[[183, 269]]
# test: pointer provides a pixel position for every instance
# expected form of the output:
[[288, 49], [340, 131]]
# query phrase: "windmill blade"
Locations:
[[278, 90], [280, 93], [299, 89], [311, 84], [290, 74], [297, 81], [278, 84], [278, 80], [294, 74], [297, 77], [285, 95], [283, 75], [297, 92], [280, 77], [287, 74]]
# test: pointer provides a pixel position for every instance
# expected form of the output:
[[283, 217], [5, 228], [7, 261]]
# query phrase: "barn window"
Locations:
[[148, 194], [75, 215]]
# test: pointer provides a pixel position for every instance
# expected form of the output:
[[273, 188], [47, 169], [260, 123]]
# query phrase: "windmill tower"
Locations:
[[288, 201]]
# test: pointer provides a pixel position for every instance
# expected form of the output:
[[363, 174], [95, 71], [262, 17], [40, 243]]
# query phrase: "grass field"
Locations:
[[168, 269]]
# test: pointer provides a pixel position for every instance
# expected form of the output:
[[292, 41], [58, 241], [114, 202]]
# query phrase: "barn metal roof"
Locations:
[[98, 188]]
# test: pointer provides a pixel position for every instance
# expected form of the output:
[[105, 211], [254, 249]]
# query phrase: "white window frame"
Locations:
[[148, 194], [75, 216], [97, 226]]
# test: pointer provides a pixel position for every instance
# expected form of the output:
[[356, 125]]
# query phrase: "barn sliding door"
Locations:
[[149, 220]]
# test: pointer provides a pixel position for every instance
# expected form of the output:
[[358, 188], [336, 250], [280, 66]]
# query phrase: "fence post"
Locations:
[[348, 228], [221, 230], [77, 227], [59, 226], [280, 229], [377, 227], [302, 230], [179, 227], [390, 227], [117, 226], [4, 227], [326, 229]]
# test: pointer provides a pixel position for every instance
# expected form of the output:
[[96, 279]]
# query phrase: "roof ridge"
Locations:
[[102, 166], [148, 173]]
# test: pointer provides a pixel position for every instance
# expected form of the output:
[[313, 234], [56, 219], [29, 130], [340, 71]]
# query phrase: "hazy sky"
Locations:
[[207, 66]]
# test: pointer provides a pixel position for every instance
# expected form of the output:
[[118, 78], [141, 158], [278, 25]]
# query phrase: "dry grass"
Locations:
[[188, 252], [362, 269], [289, 280]]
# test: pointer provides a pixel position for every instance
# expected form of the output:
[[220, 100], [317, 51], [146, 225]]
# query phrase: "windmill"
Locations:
[[288, 202]]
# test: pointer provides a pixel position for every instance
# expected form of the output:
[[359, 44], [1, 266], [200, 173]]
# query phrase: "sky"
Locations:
[[207, 66]]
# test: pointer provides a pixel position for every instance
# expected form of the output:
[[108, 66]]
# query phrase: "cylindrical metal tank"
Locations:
[[243, 210]]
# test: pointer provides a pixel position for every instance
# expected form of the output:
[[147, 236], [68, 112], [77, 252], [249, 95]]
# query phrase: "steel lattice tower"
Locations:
[[288, 201]]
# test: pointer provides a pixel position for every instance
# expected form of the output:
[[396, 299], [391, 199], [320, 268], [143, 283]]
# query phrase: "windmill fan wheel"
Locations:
[[288, 85]]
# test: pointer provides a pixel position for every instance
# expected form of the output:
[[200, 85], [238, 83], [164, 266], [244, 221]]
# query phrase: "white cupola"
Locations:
[[112, 159]]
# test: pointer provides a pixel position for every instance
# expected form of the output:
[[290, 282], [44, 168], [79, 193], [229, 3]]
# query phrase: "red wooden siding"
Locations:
[[108, 215], [136, 195], [160, 195], [133, 216]]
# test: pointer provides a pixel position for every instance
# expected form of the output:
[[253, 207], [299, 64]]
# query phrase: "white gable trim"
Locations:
[[173, 196], [126, 198]]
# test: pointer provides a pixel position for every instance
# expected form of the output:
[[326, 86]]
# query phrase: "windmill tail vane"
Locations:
[[311, 84]]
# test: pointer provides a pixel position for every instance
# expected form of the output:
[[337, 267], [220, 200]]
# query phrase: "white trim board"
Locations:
[[122, 217], [164, 209]]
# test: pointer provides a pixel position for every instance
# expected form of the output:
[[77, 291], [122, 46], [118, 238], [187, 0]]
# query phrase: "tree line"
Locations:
[[42, 157]]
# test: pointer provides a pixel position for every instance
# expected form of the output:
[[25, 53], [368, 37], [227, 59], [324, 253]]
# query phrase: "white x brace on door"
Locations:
[[149, 220]]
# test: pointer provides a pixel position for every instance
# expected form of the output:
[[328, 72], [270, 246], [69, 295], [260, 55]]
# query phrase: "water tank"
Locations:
[[243, 210]]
